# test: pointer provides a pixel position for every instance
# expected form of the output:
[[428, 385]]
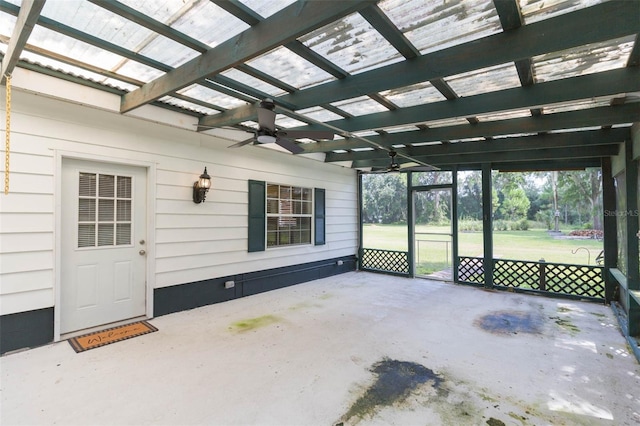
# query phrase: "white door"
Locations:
[[103, 260]]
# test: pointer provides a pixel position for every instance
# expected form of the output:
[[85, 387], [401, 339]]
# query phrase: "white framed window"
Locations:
[[104, 210], [289, 215]]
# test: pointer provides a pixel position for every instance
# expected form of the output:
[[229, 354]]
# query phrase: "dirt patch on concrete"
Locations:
[[395, 381], [511, 322]]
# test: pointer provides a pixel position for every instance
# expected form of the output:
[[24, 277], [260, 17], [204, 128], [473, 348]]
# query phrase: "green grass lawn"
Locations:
[[534, 244]]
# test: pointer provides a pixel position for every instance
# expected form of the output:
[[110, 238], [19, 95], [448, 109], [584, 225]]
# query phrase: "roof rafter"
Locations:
[[562, 120], [27, 18], [535, 154], [554, 34], [605, 83], [286, 25], [517, 143]]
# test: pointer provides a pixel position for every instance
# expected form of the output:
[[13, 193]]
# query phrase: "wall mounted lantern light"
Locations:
[[201, 186]]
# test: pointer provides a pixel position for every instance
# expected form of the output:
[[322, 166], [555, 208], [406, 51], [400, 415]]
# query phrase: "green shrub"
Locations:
[[469, 225]]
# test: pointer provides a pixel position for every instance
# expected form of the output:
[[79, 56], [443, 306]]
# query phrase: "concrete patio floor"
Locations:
[[357, 348]]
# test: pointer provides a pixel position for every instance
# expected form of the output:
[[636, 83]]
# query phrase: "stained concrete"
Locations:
[[358, 348]]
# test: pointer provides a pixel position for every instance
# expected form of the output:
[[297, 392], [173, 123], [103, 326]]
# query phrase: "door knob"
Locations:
[[142, 252]]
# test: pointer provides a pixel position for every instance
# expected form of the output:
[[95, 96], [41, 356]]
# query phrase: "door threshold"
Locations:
[[71, 334]]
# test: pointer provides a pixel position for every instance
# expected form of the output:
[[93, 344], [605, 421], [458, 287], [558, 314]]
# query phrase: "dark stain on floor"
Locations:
[[511, 322], [395, 381]]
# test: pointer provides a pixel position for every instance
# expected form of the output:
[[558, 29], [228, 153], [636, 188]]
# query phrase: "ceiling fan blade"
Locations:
[[289, 145], [267, 119], [242, 143], [310, 134]]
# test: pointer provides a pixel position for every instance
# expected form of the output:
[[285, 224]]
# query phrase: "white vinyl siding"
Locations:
[[190, 242]]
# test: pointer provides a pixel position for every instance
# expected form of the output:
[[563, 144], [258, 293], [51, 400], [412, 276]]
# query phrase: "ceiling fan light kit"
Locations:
[[267, 132]]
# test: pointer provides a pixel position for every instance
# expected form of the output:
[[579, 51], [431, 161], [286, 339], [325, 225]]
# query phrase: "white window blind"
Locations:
[[104, 210]]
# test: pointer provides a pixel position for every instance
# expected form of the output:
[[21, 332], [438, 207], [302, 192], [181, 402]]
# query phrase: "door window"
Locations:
[[104, 210]]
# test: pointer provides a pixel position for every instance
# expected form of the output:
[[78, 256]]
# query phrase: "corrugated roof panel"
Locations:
[[416, 94], [352, 44], [290, 68], [538, 10], [253, 82], [7, 23], [266, 8], [167, 51], [35, 58], [506, 115], [138, 71], [201, 20], [436, 24], [96, 21], [447, 122], [485, 80], [400, 129], [583, 60], [211, 96], [360, 106], [320, 114], [574, 106], [288, 122], [71, 47], [188, 105]]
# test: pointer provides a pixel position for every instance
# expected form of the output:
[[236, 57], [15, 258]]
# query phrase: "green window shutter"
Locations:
[[257, 215], [318, 215]]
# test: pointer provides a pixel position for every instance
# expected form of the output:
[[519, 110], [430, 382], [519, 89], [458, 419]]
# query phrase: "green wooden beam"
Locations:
[[517, 143], [548, 165], [240, 11], [381, 22], [27, 18], [290, 23], [150, 23], [530, 155], [605, 83], [633, 233], [526, 155], [610, 238], [607, 115], [551, 35], [487, 225]]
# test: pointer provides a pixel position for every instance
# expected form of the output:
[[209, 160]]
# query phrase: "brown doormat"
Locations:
[[110, 335]]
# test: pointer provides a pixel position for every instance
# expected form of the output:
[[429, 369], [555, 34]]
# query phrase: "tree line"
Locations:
[[569, 198]]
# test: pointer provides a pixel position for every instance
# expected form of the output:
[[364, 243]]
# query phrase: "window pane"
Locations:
[[124, 211], [272, 239], [296, 193], [124, 187], [105, 210], [285, 192], [306, 194], [86, 210], [272, 206], [123, 234], [272, 224], [86, 235], [305, 237], [272, 191], [306, 208], [105, 234], [106, 186], [87, 185]]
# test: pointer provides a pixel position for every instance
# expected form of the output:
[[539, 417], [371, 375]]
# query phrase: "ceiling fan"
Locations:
[[267, 132], [395, 167]]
